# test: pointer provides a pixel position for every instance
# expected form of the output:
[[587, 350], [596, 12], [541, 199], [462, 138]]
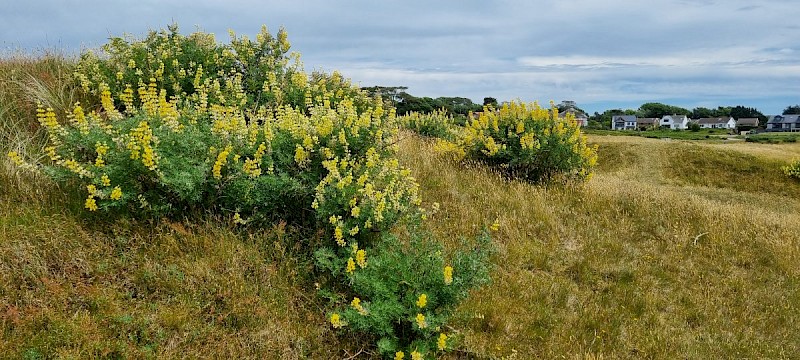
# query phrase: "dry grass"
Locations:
[[639, 262], [76, 287], [673, 250]]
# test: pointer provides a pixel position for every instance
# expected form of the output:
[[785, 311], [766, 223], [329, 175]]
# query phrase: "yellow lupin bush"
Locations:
[[527, 141], [436, 124], [793, 169], [182, 133]]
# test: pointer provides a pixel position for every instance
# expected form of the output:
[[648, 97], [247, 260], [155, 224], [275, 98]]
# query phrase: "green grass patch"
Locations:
[[703, 134], [773, 138]]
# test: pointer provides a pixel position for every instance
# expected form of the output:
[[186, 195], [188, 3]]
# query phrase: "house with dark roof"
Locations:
[[783, 123], [747, 122], [647, 123], [623, 122], [717, 123]]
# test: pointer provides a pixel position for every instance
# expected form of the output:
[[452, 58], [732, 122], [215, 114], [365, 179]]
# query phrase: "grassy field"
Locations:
[[774, 138], [703, 134], [675, 249]]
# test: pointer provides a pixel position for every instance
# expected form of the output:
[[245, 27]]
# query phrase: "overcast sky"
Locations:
[[603, 54]]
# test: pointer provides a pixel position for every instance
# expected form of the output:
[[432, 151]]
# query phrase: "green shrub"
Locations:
[[239, 132], [405, 292], [437, 124], [527, 141], [793, 169]]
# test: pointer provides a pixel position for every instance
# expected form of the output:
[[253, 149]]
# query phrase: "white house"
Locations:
[[675, 122], [623, 122], [717, 123]]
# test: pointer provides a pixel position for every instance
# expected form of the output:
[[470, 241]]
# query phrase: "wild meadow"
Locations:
[[174, 197]]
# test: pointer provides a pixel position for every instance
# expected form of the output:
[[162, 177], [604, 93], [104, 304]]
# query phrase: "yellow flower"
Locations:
[[442, 342], [91, 204], [421, 321], [300, 155], [353, 231], [422, 301], [399, 355], [14, 156], [416, 355], [339, 236], [356, 211], [91, 189], [495, 225], [356, 304], [222, 158], [351, 266], [336, 321], [105, 180], [237, 219], [448, 275], [116, 194], [361, 258]]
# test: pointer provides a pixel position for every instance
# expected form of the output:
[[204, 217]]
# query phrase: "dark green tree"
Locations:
[[703, 112], [388, 93], [792, 110], [490, 101], [657, 110]]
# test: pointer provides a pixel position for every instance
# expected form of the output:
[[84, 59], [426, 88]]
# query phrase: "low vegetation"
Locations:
[[673, 249], [704, 134], [773, 138]]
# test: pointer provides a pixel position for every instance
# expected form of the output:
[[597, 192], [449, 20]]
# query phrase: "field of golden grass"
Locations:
[[674, 249]]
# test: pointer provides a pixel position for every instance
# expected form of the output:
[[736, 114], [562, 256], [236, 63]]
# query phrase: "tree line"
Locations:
[[658, 110], [459, 107], [404, 102]]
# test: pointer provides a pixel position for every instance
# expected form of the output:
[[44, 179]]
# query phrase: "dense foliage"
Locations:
[[187, 126], [793, 170], [526, 141], [436, 124]]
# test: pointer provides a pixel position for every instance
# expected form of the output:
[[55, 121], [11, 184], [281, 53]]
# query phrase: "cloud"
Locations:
[[609, 52]]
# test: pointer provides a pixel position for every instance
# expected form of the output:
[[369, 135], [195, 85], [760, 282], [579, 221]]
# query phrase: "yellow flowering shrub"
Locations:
[[526, 141], [793, 169], [437, 124], [184, 126], [407, 291]]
